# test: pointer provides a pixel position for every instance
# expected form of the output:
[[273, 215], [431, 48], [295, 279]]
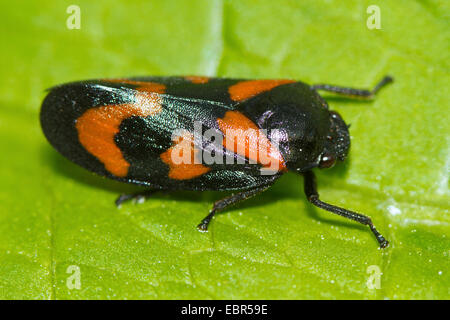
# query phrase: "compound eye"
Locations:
[[327, 161], [335, 115]]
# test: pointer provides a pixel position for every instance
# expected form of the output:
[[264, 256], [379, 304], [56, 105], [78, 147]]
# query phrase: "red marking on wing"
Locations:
[[247, 89], [141, 85], [180, 159], [239, 130], [98, 126], [197, 79]]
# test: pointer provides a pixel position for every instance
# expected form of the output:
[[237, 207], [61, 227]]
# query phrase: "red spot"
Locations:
[[239, 130], [197, 79], [180, 159], [141, 85], [247, 89], [97, 127]]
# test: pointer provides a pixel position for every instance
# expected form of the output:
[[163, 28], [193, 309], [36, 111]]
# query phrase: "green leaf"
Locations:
[[54, 215]]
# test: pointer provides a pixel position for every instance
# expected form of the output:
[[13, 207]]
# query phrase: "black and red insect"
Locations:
[[123, 129]]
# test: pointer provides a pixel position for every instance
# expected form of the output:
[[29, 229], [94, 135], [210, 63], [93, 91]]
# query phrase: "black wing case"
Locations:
[[122, 129]]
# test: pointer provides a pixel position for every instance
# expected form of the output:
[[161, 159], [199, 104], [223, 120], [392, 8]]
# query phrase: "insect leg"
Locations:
[[313, 197], [138, 196], [352, 92], [229, 201]]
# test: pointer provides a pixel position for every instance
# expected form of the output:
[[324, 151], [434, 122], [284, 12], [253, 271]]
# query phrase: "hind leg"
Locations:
[[227, 202]]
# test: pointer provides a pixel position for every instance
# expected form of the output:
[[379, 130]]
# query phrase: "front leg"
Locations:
[[313, 196], [352, 92], [227, 202]]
